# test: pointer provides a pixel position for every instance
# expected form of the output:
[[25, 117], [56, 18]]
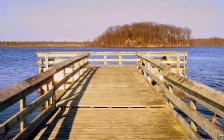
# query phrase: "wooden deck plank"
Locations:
[[110, 86], [101, 123]]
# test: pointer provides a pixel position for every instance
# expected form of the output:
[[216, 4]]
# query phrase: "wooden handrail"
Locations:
[[204, 95], [115, 58], [20, 90], [14, 93]]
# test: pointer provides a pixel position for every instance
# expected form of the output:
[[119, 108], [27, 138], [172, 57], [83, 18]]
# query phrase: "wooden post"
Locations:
[[171, 92], [178, 63], [40, 62], [73, 68], [46, 62], [56, 59], [51, 84], [76, 67], [145, 74], [64, 74], [105, 60], [185, 68], [83, 69], [167, 58], [120, 59], [80, 71], [22, 106], [86, 60], [40, 70], [46, 90], [194, 107]]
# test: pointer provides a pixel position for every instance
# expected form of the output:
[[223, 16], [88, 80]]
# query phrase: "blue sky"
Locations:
[[80, 20]]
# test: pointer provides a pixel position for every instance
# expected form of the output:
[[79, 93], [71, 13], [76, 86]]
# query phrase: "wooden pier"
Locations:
[[112, 95]]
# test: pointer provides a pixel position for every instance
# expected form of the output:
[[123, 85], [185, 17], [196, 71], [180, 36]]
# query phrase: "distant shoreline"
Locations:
[[89, 45], [68, 46]]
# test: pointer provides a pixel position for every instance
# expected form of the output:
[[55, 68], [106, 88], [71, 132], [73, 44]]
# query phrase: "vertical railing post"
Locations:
[[22, 106], [78, 66], [46, 62], [146, 66], [185, 68], [46, 91], [40, 70], [150, 69], [194, 107], [83, 62], [171, 92], [56, 59], [40, 63], [64, 74], [105, 60], [52, 87], [178, 63], [73, 68], [120, 59]]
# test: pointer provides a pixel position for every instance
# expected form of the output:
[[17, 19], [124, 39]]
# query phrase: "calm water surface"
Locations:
[[205, 65]]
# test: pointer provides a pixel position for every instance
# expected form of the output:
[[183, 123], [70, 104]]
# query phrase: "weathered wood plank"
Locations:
[[210, 98], [193, 134], [203, 122], [21, 89], [21, 115], [11, 91], [116, 123], [62, 65], [35, 123], [112, 86]]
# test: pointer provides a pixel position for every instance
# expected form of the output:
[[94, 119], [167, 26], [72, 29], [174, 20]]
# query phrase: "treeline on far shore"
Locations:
[[42, 44], [215, 41]]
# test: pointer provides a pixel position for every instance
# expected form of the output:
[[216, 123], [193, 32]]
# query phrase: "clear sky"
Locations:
[[81, 20]]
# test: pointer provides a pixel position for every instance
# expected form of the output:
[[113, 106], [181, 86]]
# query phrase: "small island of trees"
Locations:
[[144, 34]]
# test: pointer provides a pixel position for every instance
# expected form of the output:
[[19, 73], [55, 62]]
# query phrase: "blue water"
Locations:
[[205, 65]]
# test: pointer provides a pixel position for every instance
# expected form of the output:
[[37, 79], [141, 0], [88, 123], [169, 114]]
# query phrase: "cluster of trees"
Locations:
[[142, 34]]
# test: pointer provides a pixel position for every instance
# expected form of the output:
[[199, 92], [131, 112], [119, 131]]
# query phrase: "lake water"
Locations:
[[205, 65]]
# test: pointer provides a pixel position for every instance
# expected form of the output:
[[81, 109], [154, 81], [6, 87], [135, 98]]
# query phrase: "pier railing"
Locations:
[[48, 87], [177, 60], [195, 94]]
